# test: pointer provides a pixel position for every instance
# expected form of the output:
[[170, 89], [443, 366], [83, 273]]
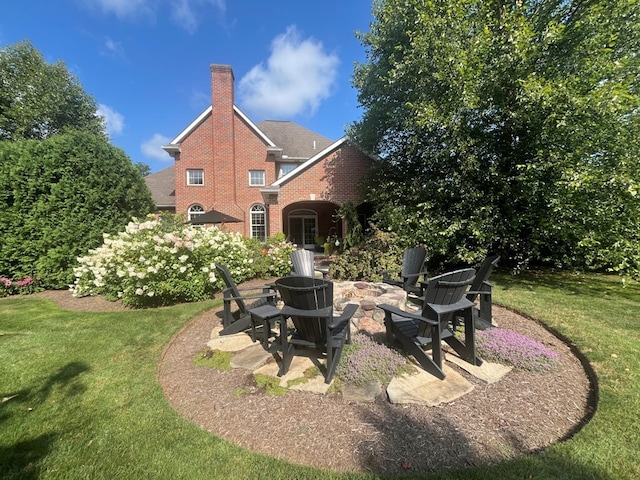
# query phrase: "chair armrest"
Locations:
[[250, 297], [416, 275], [288, 311], [454, 307], [397, 311], [257, 287], [345, 316]]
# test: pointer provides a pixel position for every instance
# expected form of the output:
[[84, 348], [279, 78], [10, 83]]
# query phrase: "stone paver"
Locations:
[[364, 393], [230, 343], [488, 372], [298, 366], [251, 358], [425, 389]]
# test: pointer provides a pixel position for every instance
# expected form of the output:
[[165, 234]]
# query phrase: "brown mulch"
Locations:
[[522, 413]]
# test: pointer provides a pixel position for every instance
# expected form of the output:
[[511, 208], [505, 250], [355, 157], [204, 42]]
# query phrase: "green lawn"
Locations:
[[81, 399]]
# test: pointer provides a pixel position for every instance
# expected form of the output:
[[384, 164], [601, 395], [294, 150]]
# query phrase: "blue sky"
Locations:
[[146, 62]]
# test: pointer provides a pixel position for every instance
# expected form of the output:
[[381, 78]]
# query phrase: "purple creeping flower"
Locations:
[[364, 360], [512, 348]]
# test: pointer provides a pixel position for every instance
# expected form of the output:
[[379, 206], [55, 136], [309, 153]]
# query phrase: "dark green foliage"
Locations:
[[380, 252], [509, 127], [57, 198], [38, 100]]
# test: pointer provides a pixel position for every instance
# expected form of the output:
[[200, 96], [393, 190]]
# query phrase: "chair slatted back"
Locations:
[[412, 263], [233, 288], [303, 262], [482, 275], [308, 293], [446, 289]]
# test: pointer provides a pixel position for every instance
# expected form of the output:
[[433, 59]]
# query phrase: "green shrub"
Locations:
[[57, 197], [380, 252], [272, 258]]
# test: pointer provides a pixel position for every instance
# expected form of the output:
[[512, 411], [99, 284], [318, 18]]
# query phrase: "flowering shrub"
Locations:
[[161, 262], [22, 287], [365, 361], [512, 348], [272, 258]]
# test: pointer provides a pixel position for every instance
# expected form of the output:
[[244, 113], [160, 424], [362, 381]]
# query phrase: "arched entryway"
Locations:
[[303, 222]]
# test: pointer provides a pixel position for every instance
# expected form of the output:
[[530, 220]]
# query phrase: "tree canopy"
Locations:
[[38, 99], [506, 126]]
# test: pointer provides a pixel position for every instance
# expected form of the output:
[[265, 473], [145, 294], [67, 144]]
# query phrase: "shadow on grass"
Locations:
[[22, 458], [571, 283]]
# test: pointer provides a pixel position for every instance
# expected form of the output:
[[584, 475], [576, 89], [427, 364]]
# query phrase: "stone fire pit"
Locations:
[[366, 295]]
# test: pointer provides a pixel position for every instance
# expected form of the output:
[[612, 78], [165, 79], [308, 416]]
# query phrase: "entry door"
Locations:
[[303, 231]]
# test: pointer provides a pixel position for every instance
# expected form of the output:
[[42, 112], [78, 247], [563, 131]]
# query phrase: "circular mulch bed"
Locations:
[[522, 413]]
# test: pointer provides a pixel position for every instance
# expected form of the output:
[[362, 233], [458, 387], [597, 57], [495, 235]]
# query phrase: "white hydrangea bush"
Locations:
[[155, 262]]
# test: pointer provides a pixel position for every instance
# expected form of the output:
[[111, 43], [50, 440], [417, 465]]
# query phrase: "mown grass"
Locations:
[[81, 399]]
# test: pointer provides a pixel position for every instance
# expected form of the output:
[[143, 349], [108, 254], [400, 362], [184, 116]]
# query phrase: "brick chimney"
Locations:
[[223, 137]]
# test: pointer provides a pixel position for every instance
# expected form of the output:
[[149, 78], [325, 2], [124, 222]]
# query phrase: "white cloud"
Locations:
[[122, 8], [184, 12], [114, 121], [152, 148], [298, 76], [113, 48]]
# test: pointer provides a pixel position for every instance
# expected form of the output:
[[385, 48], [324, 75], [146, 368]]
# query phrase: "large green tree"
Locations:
[[38, 99], [57, 198], [510, 126], [62, 184]]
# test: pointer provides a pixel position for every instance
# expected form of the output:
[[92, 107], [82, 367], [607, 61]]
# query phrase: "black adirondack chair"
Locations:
[[304, 264], [413, 268], [444, 298], [240, 319], [309, 303], [481, 289]]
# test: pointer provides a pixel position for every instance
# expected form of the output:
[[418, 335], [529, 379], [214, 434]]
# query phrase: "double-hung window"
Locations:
[[195, 176], [256, 178]]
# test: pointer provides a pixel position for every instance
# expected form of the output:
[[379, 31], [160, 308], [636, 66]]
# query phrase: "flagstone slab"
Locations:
[[251, 358], [488, 372], [298, 366], [231, 343], [422, 388], [313, 385], [361, 393]]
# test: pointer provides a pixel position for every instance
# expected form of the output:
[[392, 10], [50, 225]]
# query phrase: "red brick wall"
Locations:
[[226, 148]]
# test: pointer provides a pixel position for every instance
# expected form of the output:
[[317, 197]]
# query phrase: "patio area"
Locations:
[[511, 416]]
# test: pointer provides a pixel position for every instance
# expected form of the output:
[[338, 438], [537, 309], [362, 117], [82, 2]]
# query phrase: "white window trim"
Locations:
[[251, 184], [263, 212], [195, 170]]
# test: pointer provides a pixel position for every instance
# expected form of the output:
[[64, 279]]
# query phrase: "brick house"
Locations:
[[272, 177]]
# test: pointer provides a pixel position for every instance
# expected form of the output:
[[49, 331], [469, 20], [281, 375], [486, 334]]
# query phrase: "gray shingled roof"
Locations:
[[296, 142], [162, 186]]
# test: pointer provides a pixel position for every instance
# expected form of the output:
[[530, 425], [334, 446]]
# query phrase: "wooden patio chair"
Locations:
[[309, 303], [304, 264], [444, 298], [481, 290], [240, 319], [413, 260]]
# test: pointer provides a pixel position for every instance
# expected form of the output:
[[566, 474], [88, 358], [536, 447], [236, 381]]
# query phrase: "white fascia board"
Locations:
[[253, 126], [315, 159], [192, 126]]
